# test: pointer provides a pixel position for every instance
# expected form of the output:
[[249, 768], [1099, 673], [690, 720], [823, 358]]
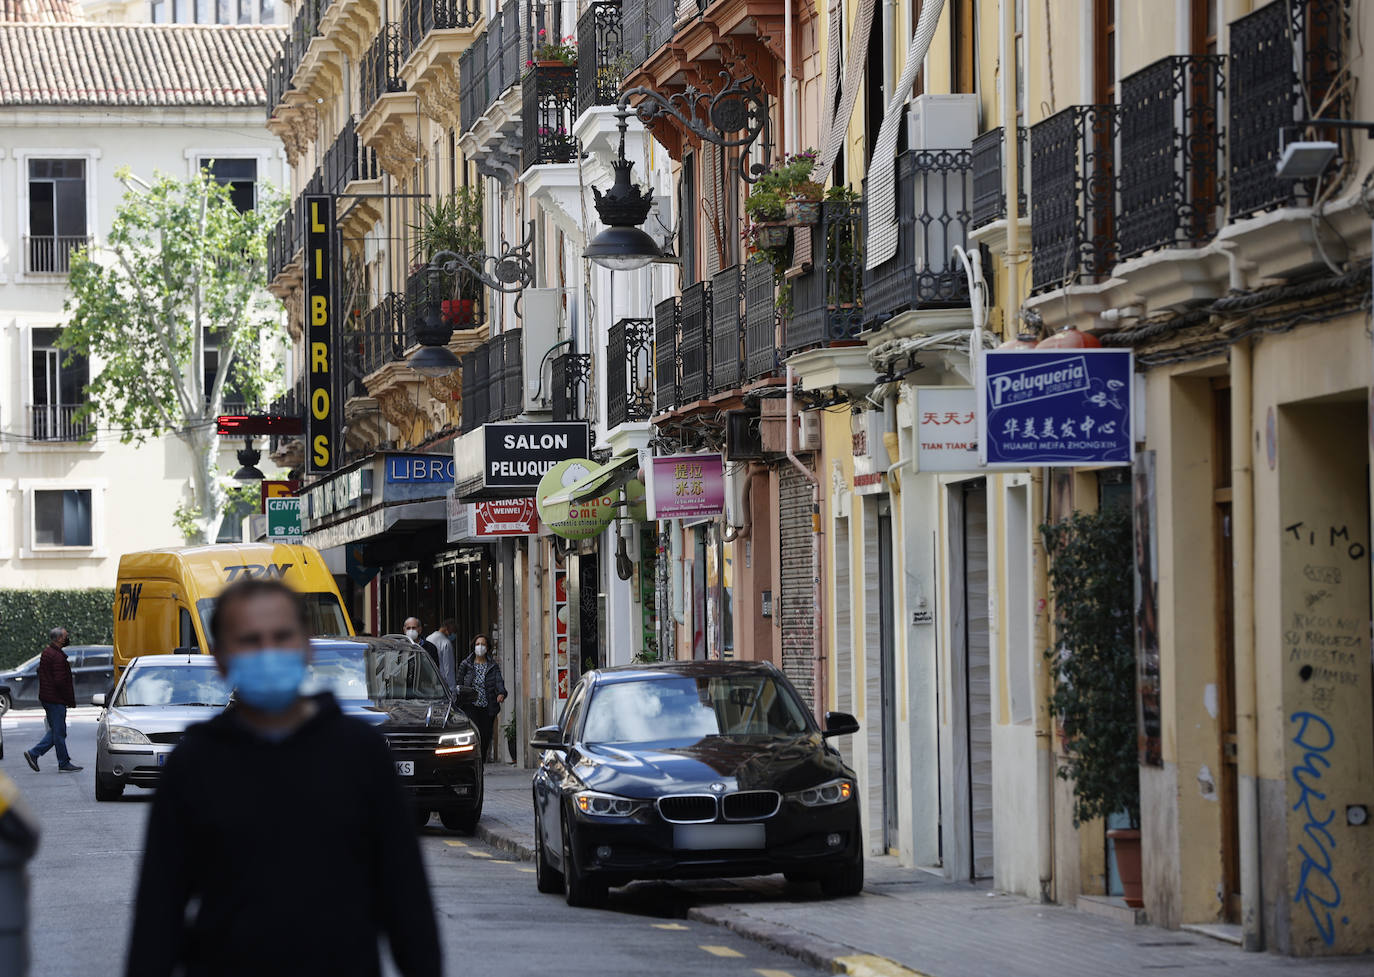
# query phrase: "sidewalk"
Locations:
[[909, 922]]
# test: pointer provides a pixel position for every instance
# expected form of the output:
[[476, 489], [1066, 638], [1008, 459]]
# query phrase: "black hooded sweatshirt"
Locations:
[[290, 857]]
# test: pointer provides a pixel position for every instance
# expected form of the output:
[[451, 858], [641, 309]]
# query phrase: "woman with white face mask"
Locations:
[[480, 672]]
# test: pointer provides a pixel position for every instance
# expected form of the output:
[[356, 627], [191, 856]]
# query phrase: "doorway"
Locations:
[[887, 676]]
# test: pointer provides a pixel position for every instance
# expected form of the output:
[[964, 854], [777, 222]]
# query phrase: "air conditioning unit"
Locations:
[[742, 439], [541, 314], [942, 122]]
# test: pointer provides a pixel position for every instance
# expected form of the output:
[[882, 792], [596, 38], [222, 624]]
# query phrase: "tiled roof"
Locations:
[[41, 11], [135, 64]]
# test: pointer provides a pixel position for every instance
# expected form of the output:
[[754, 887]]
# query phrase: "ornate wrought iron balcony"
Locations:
[[630, 372], [648, 26], [934, 197], [280, 239], [666, 361], [304, 26], [1171, 154], [492, 64], [1073, 198], [348, 159], [420, 17], [600, 53], [380, 69], [828, 299], [549, 96], [726, 368], [1267, 93], [382, 339], [761, 317], [492, 379], [694, 339], [989, 176], [458, 294], [571, 377]]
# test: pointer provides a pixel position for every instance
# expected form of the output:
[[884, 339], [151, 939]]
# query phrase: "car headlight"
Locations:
[[605, 805], [128, 736], [834, 792], [449, 743]]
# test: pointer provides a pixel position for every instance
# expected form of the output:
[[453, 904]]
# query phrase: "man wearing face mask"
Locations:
[[282, 822], [56, 694], [480, 672], [412, 627]]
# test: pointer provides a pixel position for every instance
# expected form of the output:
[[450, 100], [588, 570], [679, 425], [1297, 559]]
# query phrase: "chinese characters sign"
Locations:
[[946, 429], [506, 517], [686, 486], [1056, 407]]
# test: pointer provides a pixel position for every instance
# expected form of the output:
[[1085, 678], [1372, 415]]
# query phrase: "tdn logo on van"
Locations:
[[256, 571], [1055, 378], [128, 600]]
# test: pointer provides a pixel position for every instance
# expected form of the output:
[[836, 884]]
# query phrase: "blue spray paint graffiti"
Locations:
[[1316, 888]]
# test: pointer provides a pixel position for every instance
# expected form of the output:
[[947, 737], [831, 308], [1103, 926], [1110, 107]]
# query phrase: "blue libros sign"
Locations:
[[419, 468], [1056, 407]]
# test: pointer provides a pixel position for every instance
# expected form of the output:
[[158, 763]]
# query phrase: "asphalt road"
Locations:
[[491, 919]]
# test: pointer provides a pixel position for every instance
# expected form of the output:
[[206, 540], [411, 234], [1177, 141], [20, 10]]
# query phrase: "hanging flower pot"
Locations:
[[459, 312], [773, 235], [804, 212]]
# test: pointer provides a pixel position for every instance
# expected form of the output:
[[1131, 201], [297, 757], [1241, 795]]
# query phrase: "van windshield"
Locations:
[[323, 614]]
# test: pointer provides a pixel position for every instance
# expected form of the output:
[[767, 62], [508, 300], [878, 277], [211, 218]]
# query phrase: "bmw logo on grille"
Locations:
[[718, 787]]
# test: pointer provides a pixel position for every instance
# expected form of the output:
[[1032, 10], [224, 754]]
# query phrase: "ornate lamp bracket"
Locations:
[[733, 117]]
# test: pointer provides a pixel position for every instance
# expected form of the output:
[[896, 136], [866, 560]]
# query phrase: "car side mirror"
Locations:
[[547, 738], [840, 724], [98, 699]]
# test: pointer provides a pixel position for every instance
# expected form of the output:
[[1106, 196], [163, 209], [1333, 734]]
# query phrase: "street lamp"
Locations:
[[739, 107], [249, 457]]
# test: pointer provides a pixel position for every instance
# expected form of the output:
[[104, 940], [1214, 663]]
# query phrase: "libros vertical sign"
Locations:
[[319, 318]]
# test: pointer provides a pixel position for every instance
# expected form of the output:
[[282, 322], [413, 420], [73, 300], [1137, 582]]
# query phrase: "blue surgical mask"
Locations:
[[269, 679]]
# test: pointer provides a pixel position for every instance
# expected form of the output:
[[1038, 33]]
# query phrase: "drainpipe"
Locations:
[[817, 672], [1011, 151], [1044, 720], [1243, 570]]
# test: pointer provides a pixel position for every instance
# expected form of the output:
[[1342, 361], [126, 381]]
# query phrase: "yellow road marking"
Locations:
[[722, 951], [668, 926], [479, 854], [456, 844], [869, 965], [772, 973], [530, 870]]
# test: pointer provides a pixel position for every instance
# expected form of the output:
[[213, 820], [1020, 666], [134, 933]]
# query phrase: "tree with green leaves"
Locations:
[[172, 310]]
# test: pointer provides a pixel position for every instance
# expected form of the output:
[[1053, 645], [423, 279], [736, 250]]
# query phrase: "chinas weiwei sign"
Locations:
[[1056, 407]]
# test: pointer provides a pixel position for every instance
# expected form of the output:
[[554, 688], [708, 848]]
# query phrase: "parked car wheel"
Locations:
[[846, 881], [547, 879], [5, 702], [461, 819], [578, 890], [108, 790]]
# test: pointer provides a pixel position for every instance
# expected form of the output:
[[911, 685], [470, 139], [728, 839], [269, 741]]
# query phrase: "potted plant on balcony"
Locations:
[[553, 54], [804, 203], [767, 211], [1092, 579], [844, 249], [454, 223]]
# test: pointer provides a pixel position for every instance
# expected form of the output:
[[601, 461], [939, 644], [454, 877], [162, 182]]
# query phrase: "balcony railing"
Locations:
[[49, 254], [1267, 93], [459, 296], [727, 329], [630, 372], [666, 362], [934, 196], [304, 27], [694, 339], [492, 64], [828, 300], [348, 159], [419, 17], [58, 422], [493, 376], [571, 375], [549, 94], [382, 339], [1171, 154], [1073, 203], [988, 158], [278, 83], [648, 26], [380, 70], [280, 241], [600, 49], [760, 321]]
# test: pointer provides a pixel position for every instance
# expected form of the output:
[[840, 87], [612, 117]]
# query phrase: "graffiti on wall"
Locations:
[[1317, 890]]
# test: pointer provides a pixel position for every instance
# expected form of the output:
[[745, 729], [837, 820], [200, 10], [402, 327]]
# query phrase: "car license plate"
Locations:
[[406, 768], [717, 837]]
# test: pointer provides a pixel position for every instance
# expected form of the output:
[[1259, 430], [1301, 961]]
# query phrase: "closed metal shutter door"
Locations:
[[979, 676], [798, 610]]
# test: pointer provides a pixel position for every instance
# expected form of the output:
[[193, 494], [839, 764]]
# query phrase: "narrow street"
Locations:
[[490, 916]]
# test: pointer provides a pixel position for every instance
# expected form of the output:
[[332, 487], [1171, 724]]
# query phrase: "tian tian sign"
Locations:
[[686, 486], [1056, 407]]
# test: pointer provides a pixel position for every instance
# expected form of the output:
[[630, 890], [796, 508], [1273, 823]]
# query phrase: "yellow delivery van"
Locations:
[[163, 598]]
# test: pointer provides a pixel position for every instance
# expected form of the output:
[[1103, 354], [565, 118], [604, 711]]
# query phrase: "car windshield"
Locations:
[[361, 671], [323, 614], [678, 707], [173, 685]]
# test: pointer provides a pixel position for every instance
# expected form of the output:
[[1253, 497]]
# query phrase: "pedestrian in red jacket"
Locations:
[[57, 694]]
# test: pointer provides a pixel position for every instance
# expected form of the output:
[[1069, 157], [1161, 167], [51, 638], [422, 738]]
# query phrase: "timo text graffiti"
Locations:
[[1317, 889]]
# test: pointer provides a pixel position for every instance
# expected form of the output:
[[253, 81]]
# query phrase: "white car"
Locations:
[[156, 699]]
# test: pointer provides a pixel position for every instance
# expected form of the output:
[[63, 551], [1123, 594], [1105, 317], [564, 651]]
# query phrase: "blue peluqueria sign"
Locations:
[[1056, 407]]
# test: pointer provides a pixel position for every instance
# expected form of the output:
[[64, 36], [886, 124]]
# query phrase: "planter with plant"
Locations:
[[509, 732], [1091, 578], [553, 54], [454, 223], [804, 203]]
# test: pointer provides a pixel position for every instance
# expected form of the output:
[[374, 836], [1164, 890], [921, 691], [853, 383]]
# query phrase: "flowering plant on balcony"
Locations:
[[564, 50]]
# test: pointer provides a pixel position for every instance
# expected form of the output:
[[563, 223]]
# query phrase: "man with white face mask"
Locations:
[[413, 632], [482, 674]]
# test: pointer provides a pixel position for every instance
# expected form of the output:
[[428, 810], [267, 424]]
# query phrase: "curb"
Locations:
[[837, 958]]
